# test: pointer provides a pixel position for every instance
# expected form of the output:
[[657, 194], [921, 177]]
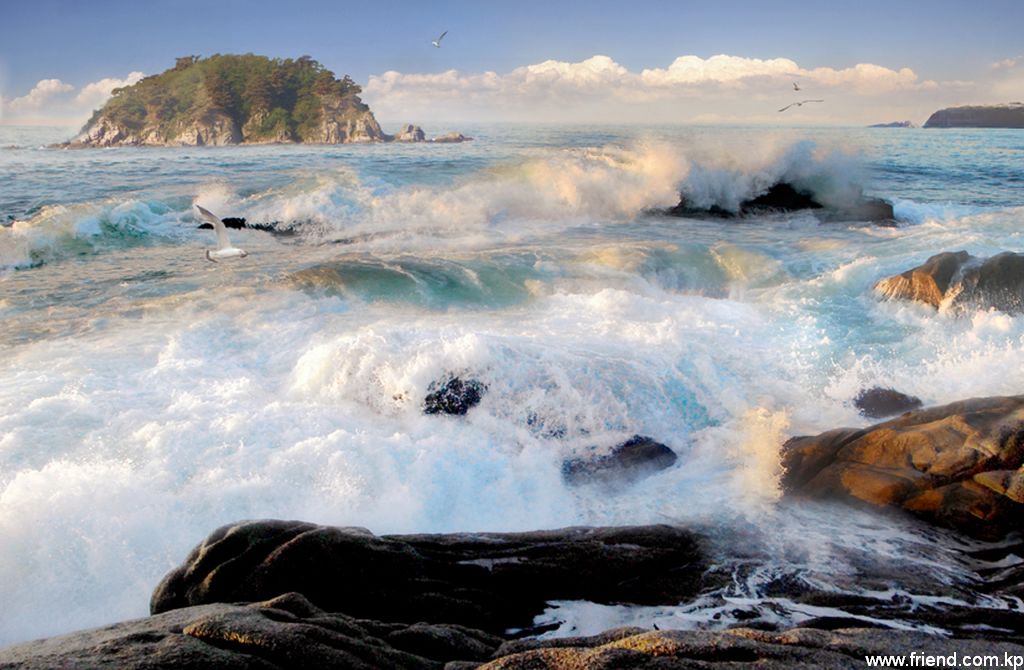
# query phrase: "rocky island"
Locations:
[[240, 99], [1010, 115]]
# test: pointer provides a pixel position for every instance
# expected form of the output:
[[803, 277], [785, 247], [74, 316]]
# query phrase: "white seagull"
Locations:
[[795, 87], [437, 42], [224, 248], [798, 104]]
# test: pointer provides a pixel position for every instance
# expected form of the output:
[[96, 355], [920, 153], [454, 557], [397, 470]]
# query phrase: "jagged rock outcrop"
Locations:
[[959, 281], [410, 133], [1010, 115], [453, 396], [489, 581], [958, 465]]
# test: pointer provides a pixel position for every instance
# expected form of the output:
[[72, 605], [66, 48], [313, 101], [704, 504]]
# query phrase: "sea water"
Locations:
[[148, 396]]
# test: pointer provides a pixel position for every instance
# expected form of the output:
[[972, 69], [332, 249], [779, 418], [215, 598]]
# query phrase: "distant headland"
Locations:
[[240, 99], [1010, 115]]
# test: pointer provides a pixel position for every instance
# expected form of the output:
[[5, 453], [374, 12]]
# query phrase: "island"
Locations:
[[1010, 115], [230, 99], [894, 124]]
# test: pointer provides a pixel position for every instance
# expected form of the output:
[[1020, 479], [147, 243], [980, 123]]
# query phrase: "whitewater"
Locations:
[[148, 396]]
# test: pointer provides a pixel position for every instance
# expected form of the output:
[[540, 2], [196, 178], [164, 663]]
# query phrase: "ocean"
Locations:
[[148, 396]]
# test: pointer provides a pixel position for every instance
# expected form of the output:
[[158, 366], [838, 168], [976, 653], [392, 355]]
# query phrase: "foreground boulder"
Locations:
[[284, 633], [958, 465], [957, 280], [634, 459], [785, 197], [878, 403], [490, 581], [289, 632]]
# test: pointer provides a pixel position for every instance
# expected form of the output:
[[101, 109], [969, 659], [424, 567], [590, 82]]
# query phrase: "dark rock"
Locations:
[[233, 222], [957, 465], [275, 227], [1010, 115], [963, 282], [878, 403], [488, 581], [453, 396], [784, 197], [634, 459]]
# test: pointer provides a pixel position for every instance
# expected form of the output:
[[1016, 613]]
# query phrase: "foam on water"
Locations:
[[148, 396]]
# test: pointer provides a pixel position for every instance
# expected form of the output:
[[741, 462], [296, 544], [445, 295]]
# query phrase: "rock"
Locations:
[[959, 281], [451, 138], [410, 133], [1010, 115], [740, 647], [878, 403], [487, 581], [283, 633], [634, 459], [956, 465], [784, 197], [454, 396], [894, 124]]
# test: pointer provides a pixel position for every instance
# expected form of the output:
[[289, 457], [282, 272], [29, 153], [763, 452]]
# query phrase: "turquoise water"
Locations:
[[148, 396]]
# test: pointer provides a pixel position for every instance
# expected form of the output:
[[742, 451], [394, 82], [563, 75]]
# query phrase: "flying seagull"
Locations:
[[224, 248], [437, 42], [795, 86], [798, 104]]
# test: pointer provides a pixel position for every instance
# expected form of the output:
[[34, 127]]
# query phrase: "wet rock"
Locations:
[[453, 396], [959, 281], [486, 581], [784, 197], [878, 403], [410, 133], [956, 465], [280, 634], [634, 459], [451, 138], [738, 647]]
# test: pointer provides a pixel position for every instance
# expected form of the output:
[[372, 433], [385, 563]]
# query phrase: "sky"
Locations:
[[589, 62]]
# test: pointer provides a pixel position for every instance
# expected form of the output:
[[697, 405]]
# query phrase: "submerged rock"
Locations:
[[957, 465], [961, 281], [489, 581], [454, 396], [634, 459], [785, 197], [878, 403]]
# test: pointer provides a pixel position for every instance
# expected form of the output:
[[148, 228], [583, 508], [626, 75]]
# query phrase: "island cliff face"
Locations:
[[1010, 115], [229, 99]]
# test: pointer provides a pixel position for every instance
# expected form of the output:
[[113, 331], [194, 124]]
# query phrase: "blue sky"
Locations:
[[79, 43]]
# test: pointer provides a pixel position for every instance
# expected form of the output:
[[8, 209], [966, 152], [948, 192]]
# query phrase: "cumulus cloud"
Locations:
[[44, 92], [53, 100], [601, 88]]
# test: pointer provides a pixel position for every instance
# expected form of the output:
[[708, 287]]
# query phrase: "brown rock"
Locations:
[[957, 465], [962, 281]]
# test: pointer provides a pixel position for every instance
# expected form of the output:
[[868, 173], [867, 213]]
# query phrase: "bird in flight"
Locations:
[[795, 86], [437, 42], [798, 104], [224, 248]]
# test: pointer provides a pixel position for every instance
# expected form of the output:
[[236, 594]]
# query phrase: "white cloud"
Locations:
[[95, 94], [1008, 63], [600, 89], [56, 101], [45, 91]]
